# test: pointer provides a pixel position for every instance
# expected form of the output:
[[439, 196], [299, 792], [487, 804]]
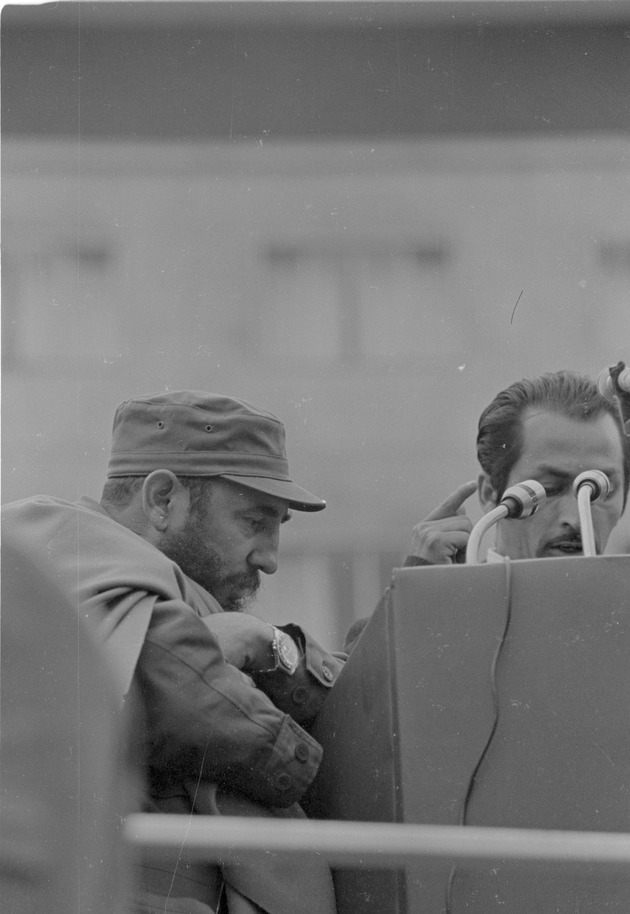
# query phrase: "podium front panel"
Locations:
[[519, 671]]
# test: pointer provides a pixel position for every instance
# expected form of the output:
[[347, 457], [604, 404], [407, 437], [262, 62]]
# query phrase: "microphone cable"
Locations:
[[495, 722], [590, 486]]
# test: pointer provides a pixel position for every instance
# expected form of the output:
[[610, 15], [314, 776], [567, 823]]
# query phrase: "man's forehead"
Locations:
[[554, 440]]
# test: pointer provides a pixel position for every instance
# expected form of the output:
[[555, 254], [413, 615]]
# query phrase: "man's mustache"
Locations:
[[571, 538], [246, 581]]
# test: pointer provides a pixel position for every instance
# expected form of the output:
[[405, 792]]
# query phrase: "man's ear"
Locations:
[[488, 497], [161, 493]]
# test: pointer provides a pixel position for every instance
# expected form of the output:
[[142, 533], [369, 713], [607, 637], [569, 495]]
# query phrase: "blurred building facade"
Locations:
[[366, 217]]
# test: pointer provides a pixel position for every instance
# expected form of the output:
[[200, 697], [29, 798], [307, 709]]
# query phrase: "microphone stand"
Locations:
[[479, 531], [520, 500], [589, 487], [586, 520]]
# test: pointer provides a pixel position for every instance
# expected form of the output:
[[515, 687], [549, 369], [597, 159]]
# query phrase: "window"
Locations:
[[359, 303], [59, 297]]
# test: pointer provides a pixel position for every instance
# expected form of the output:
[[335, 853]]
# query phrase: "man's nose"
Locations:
[[567, 508], [265, 556]]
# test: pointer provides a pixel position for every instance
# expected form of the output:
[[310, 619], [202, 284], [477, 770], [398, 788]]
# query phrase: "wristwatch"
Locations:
[[286, 653]]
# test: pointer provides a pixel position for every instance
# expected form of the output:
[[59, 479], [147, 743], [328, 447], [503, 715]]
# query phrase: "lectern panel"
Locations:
[[487, 695]]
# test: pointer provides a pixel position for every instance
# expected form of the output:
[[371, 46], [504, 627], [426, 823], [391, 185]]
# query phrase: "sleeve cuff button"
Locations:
[[300, 695], [301, 752], [283, 781]]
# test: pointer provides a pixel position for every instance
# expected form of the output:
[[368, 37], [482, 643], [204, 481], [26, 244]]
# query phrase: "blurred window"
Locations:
[[325, 592], [59, 297], [302, 591], [361, 303]]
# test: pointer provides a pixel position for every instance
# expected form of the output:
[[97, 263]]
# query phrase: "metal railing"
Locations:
[[369, 844]]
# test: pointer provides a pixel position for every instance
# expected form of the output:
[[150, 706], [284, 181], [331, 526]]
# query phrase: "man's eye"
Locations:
[[257, 524], [554, 489], [612, 492]]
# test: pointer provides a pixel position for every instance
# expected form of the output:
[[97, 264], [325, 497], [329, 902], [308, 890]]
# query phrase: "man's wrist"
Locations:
[[284, 651]]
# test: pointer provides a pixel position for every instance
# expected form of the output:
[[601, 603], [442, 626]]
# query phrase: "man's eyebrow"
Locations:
[[614, 475], [550, 470]]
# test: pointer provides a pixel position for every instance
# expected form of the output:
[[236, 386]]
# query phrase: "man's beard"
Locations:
[[205, 566]]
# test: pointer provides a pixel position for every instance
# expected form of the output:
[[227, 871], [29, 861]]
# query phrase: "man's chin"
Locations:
[[237, 599], [238, 604]]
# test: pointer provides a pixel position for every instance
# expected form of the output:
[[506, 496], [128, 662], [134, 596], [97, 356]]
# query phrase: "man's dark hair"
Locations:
[[500, 431], [119, 491]]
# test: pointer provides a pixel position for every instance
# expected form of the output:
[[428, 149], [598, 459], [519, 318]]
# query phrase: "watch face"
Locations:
[[288, 653]]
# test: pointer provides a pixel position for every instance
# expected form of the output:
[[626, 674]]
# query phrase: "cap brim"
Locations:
[[296, 497]]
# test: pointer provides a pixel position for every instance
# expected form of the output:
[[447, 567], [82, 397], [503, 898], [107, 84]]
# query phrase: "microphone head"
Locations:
[[610, 386], [524, 498], [605, 385], [597, 481]]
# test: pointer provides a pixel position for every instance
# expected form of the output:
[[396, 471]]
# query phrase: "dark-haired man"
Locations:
[[549, 428], [198, 487]]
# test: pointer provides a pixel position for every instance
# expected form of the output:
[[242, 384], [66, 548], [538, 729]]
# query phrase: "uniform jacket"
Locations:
[[208, 726]]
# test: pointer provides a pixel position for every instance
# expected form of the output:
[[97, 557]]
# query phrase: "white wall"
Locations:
[[130, 268]]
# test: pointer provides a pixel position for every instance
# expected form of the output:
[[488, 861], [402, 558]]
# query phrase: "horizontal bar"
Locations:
[[369, 844]]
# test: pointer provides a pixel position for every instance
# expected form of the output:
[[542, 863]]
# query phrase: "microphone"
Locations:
[[518, 501], [614, 384], [589, 487], [598, 483], [614, 381], [524, 499]]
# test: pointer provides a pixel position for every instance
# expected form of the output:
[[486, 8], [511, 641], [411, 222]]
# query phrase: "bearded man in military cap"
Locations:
[[198, 487]]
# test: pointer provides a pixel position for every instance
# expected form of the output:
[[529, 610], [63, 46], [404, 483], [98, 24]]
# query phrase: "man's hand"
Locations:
[[245, 640], [441, 538]]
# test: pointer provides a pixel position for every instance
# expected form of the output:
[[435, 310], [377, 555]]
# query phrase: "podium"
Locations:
[[486, 695]]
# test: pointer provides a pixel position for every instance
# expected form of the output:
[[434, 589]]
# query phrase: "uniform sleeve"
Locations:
[[303, 694], [205, 718]]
